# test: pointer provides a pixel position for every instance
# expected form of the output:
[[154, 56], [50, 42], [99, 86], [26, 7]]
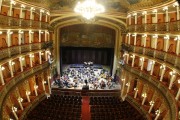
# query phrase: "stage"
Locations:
[[97, 77]]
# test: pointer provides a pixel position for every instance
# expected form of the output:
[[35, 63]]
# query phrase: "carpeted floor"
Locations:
[[85, 108]]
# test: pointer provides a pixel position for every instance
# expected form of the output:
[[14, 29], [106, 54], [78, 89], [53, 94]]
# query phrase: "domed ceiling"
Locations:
[[110, 5]]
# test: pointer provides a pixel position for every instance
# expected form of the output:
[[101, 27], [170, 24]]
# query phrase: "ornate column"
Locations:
[[129, 38], [172, 79], [0, 4], [40, 14], [133, 58], [30, 36], [145, 16], [14, 110], [35, 90], [136, 92], [178, 94], [1, 75], [31, 56], [20, 103], [27, 95], [21, 64], [40, 59], [142, 63], [151, 106], [9, 38], [144, 95], [128, 87], [166, 38], [21, 10], [157, 112], [163, 68], [12, 2], [10, 67], [177, 46], [40, 32], [134, 38], [49, 84], [152, 67]]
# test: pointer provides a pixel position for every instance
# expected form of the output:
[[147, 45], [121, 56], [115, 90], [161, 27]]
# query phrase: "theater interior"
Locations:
[[89, 60]]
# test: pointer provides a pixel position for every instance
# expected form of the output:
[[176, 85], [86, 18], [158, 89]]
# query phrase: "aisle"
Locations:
[[85, 108]]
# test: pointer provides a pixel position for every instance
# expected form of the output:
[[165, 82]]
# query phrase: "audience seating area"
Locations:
[[58, 107], [111, 108]]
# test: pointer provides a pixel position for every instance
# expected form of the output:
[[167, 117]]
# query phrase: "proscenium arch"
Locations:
[[78, 16], [74, 21]]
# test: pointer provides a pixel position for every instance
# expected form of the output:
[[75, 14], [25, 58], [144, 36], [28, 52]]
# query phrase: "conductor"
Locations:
[[86, 82]]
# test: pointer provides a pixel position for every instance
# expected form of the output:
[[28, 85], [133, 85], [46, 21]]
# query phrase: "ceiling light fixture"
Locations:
[[89, 8]]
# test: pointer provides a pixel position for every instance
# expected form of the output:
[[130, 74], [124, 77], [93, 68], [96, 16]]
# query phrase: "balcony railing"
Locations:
[[14, 50], [20, 77], [166, 26], [12, 21], [165, 56], [169, 97]]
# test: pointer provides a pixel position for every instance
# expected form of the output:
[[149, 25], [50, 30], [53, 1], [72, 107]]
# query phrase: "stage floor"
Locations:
[[115, 85]]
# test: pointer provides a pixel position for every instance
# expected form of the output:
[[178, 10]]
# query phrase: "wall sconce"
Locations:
[[141, 59], [0, 32], [135, 89], [9, 32], [179, 81], [166, 37], [162, 67], [31, 55], [165, 8], [31, 32], [42, 53], [35, 86], [2, 68], [172, 73], [20, 99], [129, 15], [32, 8], [128, 84], [42, 11], [144, 95], [155, 36], [13, 2], [12, 63], [144, 12], [134, 14], [23, 6], [145, 35], [154, 11], [175, 4], [20, 32], [22, 58], [47, 13], [132, 56], [152, 62], [28, 93], [123, 79], [14, 109], [134, 34]]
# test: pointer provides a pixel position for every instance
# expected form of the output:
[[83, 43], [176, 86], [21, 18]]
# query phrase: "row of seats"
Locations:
[[111, 108], [54, 108]]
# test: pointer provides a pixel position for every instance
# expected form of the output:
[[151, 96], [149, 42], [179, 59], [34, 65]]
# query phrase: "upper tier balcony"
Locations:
[[14, 50], [156, 27], [158, 54], [7, 21]]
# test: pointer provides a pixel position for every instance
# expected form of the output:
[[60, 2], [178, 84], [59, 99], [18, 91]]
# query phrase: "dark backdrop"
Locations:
[[78, 55]]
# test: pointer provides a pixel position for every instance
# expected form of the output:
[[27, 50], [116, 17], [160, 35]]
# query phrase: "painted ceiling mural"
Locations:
[[69, 5], [87, 35]]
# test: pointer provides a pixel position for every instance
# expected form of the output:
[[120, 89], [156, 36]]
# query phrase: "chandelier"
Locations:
[[89, 8]]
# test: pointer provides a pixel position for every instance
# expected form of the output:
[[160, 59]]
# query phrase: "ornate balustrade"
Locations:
[[33, 104], [19, 78], [138, 107], [169, 97], [16, 22], [165, 56], [14, 50], [166, 26]]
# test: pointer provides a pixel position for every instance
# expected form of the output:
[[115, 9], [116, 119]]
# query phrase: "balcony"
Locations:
[[161, 55], [20, 77], [159, 86], [158, 27], [17, 22], [14, 50]]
